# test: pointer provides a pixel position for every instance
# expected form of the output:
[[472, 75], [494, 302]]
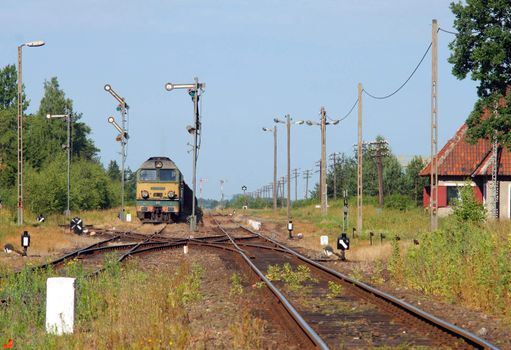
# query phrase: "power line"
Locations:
[[447, 31], [351, 110], [406, 81]]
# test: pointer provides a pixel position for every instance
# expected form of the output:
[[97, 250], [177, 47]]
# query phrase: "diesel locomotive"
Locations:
[[162, 194]]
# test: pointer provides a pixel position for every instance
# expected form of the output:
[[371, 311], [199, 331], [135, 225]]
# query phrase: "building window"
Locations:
[[452, 194]]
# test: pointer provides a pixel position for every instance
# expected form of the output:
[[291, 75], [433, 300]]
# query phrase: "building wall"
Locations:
[[504, 199], [443, 186]]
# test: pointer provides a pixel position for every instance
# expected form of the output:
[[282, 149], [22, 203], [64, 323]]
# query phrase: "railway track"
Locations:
[[359, 316]]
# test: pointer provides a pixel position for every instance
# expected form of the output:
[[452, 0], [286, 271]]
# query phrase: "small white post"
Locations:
[[60, 305], [185, 249]]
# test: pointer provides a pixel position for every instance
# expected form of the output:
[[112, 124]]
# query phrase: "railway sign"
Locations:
[[243, 188], [343, 242], [77, 225], [323, 240]]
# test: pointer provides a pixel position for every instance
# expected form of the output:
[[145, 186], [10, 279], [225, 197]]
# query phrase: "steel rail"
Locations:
[[311, 334], [445, 326]]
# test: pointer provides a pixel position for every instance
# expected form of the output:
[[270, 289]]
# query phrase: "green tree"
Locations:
[[45, 138], [414, 184], [346, 176], [113, 171], [482, 48], [8, 126], [9, 88]]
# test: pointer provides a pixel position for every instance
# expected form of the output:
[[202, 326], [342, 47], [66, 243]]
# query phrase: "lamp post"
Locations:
[[274, 130], [20, 127], [123, 139], [194, 90], [322, 183], [288, 125], [68, 147]]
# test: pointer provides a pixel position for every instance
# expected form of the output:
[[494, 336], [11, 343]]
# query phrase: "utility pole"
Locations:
[[494, 207], [288, 124], [307, 174], [334, 159], [282, 191], [295, 174], [359, 162], [379, 149], [274, 130], [20, 126], [433, 198], [324, 193], [323, 173]]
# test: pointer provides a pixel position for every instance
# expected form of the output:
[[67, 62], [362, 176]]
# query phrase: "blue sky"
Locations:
[[259, 60]]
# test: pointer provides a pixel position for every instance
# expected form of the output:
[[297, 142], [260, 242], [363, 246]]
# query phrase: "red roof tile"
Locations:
[[460, 158]]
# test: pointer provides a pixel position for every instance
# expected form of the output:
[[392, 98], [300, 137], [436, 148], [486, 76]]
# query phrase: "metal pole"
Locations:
[[193, 220], [433, 201], [359, 162], [68, 212], [295, 171], [335, 175], [123, 159], [323, 163], [20, 139], [288, 167], [275, 168]]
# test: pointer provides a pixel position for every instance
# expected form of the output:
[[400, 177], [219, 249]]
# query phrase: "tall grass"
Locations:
[[464, 263], [121, 309]]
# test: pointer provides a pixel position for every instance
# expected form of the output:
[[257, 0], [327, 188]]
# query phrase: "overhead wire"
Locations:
[[405, 82]]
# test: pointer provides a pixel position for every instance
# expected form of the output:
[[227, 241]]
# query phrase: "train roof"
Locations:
[[151, 163]]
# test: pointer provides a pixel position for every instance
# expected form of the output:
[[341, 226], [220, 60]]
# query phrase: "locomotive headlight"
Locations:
[[171, 194], [144, 194]]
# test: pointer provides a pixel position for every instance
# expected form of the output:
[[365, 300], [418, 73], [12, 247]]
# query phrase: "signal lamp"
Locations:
[[25, 242]]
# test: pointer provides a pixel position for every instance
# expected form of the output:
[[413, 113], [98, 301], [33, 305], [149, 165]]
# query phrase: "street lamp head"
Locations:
[[308, 122], [35, 43], [111, 120], [299, 122], [48, 116], [107, 87], [335, 122], [169, 86]]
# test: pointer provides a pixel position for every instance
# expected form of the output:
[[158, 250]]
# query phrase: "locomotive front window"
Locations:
[[167, 175], [147, 175]]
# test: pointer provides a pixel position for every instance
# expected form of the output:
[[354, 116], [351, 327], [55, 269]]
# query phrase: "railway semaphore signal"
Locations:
[[195, 89]]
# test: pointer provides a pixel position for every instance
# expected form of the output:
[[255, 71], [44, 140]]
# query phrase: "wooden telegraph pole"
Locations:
[[359, 162], [307, 174], [295, 175], [433, 199]]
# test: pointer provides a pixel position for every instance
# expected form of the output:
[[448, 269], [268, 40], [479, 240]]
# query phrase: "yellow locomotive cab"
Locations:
[[161, 193]]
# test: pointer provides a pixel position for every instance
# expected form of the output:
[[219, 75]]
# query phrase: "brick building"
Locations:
[[459, 160]]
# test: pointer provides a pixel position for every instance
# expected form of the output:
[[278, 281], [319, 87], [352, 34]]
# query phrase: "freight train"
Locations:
[[162, 194]]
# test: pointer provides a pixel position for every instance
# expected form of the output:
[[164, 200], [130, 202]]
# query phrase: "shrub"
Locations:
[[466, 208]]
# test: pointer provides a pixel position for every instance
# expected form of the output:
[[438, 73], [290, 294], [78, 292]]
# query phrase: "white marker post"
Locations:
[[323, 240], [60, 305]]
